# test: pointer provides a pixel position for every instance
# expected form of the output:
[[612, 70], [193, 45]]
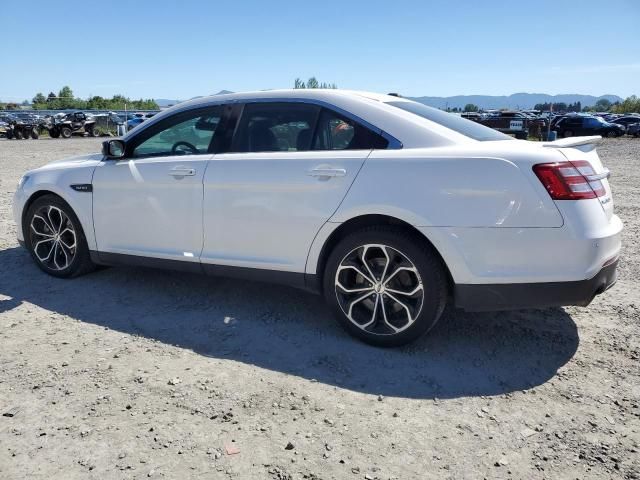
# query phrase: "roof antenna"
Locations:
[[393, 94]]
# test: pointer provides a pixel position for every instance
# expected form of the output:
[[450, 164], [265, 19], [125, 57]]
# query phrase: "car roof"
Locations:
[[290, 93]]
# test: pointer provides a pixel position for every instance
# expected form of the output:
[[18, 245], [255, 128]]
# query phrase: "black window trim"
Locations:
[[235, 113]]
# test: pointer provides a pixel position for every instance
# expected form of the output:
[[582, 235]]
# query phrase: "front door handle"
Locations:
[[182, 172], [327, 172]]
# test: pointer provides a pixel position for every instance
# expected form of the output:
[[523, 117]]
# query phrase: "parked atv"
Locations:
[[20, 129], [76, 122]]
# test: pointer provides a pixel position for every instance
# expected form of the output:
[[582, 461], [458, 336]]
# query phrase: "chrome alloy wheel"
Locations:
[[53, 238], [379, 289]]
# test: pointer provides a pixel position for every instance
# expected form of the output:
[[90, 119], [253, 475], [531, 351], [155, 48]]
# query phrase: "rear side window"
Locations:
[[336, 132], [276, 127], [453, 122], [296, 127]]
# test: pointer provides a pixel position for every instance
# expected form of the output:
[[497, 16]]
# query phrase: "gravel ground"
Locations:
[[136, 373]]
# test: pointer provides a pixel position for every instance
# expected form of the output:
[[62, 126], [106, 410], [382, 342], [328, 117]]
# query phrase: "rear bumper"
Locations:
[[489, 297]]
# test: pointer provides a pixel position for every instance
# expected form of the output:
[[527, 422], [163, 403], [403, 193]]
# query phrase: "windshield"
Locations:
[[453, 122]]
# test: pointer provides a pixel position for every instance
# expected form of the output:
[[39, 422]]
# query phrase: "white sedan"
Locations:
[[388, 208]]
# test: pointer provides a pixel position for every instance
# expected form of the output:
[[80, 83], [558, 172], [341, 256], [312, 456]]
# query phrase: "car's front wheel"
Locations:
[[385, 286], [55, 239]]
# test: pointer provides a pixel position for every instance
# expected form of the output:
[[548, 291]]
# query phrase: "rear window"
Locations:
[[453, 122]]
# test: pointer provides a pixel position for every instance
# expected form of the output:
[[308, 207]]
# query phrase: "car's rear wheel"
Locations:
[[568, 133], [17, 134], [613, 134], [65, 132], [54, 133], [54, 237], [384, 286]]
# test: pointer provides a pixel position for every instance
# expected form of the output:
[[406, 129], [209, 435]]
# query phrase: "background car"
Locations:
[[626, 120], [571, 126], [134, 122]]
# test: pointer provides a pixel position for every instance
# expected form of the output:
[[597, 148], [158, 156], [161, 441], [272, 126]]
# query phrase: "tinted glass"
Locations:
[[189, 134], [461, 125], [275, 127], [336, 132]]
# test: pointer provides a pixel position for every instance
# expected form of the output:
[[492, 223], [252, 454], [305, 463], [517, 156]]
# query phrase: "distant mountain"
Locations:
[[517, 100], [165, 102]]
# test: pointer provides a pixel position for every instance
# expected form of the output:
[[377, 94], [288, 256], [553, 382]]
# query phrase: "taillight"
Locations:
[[575, 180]]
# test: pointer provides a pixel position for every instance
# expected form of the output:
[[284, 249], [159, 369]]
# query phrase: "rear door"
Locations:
[[289, 167]]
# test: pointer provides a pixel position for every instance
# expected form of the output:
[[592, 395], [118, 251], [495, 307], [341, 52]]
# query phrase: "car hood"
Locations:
[[83, 161]]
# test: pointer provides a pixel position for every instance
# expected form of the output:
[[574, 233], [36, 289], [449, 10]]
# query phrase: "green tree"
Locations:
[[312, 83], [470, 107], [65, 92], [628, 105], [39, 98], [65, 98], [602, 105]]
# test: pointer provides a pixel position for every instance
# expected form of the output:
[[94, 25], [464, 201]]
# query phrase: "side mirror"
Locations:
[[113, 149]]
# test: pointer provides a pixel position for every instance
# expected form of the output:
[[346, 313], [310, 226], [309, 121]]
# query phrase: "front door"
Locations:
[[150, 202]]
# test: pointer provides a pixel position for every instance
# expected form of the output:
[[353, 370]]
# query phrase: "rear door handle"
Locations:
[[182, 172], [327, 172]]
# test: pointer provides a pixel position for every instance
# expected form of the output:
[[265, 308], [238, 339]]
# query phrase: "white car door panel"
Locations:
[[263, 210], [150, 206]]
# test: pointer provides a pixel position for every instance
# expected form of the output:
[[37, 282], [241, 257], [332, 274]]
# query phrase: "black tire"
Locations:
[[613, 134], [568, 133], [93, 131], [54, 133], [9, 134], [65, 132], [80, 262], [404, 246], [17, 134], [35, 134]]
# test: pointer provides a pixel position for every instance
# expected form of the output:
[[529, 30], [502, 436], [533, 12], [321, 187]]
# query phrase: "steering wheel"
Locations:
[[174, 149]]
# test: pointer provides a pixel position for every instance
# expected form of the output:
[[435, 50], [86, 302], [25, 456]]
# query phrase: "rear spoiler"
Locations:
[[574, 142]]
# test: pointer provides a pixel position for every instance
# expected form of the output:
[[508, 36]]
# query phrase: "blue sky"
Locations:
[[180, 49]]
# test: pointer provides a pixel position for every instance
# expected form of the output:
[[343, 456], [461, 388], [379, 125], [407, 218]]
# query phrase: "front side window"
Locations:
[[336, 132], [275, 127], [189, 133]]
